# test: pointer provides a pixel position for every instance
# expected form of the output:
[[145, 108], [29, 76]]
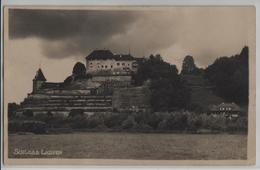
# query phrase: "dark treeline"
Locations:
[[167, 88], [230, 76]]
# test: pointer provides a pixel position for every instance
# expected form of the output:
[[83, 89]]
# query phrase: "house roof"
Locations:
[[107, 55], [39, 76], [233, 106]]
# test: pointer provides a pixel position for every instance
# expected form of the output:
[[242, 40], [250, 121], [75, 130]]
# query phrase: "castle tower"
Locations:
[[38, 80]]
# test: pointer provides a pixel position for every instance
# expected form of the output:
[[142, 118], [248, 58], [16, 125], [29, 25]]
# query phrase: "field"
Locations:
[[131, 146]]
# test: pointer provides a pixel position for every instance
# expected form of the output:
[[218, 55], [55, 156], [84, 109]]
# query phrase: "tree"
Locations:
[[167, 88], [189, 67], [79, 69], [78, 72], [230, 76]]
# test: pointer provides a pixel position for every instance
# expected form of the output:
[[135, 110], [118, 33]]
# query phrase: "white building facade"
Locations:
[[105, 60]]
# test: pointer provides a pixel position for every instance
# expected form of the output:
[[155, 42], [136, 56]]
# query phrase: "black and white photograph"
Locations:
[[150, 84]]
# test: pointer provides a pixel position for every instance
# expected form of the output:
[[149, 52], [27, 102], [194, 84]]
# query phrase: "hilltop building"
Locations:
[[89, 88], [103, 65], [105, 60]]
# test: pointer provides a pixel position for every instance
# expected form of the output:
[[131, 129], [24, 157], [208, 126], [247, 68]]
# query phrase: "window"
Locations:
[[123, 64], [105, 66], [118, 64], [111, 66], [102, 66], [90, 63]]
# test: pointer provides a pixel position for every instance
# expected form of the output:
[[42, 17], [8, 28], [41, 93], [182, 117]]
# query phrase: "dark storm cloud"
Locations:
[[203, 32], [68, 32], [61, 24]]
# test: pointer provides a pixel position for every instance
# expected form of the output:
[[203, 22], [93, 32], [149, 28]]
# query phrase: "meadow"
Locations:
[[146, 146]]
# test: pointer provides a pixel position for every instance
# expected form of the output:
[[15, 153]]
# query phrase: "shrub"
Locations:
[[177, 121], [75, 112], [174, 121], [217, 123], [153, 120], [129, 122], [239, 124], [77, 121], [142, 127], [193, 122], [112, 120], [37, 127], [163, 125], [57, 121], [95, 120]]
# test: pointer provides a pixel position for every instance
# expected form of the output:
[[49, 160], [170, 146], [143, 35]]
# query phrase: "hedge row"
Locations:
[[144, 122]]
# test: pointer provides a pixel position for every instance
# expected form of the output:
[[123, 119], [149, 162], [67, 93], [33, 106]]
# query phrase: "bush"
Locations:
[[114, 120], [217, 123], [194, 122], [153, 120], [175, 121], [36, 127], [129, 122], [75, 112], [178, 121], [95, 120], [239, 124], [57, 121], [78, 122], [163, 125], [142, 127]]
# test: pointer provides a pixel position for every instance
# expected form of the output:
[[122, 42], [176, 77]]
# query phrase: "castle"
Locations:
[[89, 88]]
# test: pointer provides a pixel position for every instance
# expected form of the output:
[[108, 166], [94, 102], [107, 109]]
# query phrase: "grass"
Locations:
[[201, 90], [134, 146]]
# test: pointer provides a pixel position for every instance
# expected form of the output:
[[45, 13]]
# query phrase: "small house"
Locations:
[[230, 110]]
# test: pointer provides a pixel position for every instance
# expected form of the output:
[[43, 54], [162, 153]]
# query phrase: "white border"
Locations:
[[256, 3]]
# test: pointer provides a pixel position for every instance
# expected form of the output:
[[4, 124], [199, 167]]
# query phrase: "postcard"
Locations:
[[129, 85]]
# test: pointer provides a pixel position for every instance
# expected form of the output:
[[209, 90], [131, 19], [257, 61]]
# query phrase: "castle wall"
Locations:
[[100, 78], [131, 99], [65, 92]]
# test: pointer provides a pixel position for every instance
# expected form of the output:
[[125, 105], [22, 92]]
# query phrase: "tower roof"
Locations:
[[39, 76]]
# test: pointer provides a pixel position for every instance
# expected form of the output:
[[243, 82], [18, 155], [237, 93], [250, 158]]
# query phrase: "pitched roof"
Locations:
[[39, 76], [100, 55], [233, 106], [107, 54]]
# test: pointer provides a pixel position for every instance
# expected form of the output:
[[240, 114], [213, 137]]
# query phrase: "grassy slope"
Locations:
[[201, 91]]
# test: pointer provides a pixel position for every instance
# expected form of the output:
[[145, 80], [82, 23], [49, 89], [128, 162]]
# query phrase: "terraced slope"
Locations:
[[63, 104]]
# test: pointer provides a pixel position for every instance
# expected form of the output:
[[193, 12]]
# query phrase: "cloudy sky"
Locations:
[[56, 39]]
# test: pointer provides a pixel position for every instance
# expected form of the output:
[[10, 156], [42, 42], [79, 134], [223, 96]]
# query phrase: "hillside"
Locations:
[[201, 91]]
